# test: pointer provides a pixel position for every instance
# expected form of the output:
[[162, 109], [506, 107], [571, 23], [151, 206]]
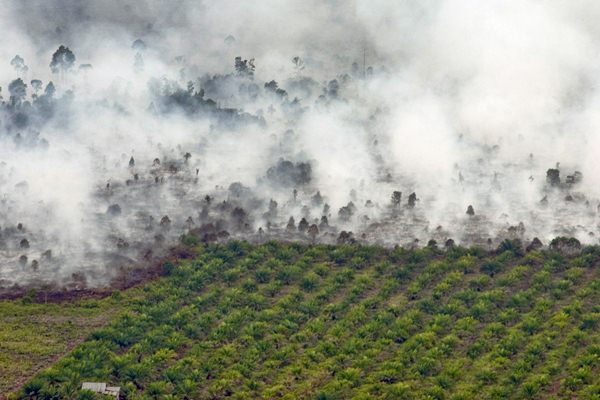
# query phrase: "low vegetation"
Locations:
[[347, 322], [32, 336]]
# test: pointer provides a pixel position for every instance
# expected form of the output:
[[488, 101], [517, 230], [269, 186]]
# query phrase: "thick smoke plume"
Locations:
[[124, 125]]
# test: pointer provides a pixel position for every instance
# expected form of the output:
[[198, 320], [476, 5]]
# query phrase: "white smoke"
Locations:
[[462, 102]]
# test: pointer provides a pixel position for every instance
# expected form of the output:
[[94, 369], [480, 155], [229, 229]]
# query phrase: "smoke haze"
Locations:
[[156, 129]]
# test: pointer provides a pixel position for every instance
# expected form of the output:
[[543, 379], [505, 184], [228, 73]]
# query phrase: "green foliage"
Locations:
[[190, 240], [33, 334], [167, 268], [348, 322], [491, 267], [514, 246]]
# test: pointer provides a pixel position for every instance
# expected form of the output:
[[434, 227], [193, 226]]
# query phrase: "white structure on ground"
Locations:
[[100, 387]]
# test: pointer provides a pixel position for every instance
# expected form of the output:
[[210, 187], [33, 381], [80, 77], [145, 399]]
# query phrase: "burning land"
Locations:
[[98, 179]]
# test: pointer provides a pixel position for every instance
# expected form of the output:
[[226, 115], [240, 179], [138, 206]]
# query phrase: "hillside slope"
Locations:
[[33, 336], [349, 322]]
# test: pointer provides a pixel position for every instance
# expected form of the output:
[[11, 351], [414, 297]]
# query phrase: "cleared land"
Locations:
[[33, 336], [348, 322]]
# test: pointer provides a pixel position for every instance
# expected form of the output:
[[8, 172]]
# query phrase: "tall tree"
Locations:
[[63, 60], [17, 90], [244, 67], [36, 85], [50, 89], [18, 64]]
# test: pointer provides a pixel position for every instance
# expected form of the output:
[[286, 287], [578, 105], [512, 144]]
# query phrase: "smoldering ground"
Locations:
[[337, 121]]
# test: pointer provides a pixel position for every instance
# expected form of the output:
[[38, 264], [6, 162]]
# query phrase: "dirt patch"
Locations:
[[127, 277]]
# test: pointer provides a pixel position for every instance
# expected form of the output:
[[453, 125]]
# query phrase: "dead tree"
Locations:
[[412, 200], [291, 225], [313, 231]]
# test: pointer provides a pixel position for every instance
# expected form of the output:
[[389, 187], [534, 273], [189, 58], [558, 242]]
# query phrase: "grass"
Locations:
[[33, 336], [348, 322]]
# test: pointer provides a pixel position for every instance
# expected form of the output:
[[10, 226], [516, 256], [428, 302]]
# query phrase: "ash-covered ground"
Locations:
[[124, 127]]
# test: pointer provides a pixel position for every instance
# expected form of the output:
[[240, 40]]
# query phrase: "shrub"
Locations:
[[491, 267], [167, 268], [249, 286], [309, 282], [288, 275], [513, 246], [190, 240]]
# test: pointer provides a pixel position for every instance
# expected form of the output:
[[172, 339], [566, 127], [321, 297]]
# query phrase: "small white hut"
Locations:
[[100, 387]]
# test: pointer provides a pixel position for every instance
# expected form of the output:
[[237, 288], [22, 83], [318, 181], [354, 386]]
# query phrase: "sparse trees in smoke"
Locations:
[[170, 96], [298, 64], [18, 91], [237, 190], [303, 225], [324, 224], [272, 211], [50, 89], [346, 237], [470, 211], [63, 60], [346, 212], [291, 225], [239, 217], [333, 88], [317, 199], [36, 85], [272, 206], [229, 40], [286, 173], [18, 64], [165, 222], [576, 178], [313, 231], [412, 200], [113, 210], [553, 177], [244, 67], [396, 198], [273, 87], [138, 45]]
